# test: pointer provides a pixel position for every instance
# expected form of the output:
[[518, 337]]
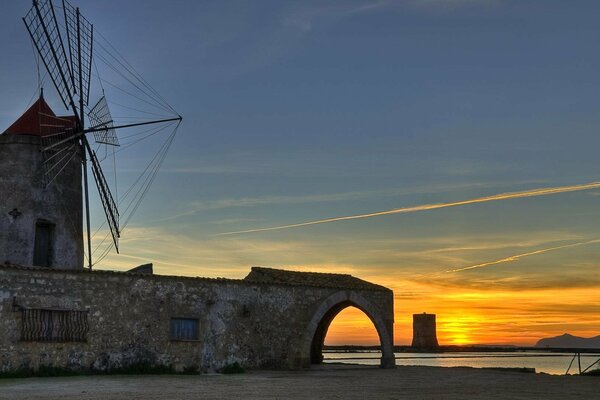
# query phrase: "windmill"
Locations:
[[65, 45]]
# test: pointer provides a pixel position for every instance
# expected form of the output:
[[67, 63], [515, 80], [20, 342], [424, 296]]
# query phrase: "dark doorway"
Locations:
[[44, 244]]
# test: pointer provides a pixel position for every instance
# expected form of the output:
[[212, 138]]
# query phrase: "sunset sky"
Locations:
[[299, 111]]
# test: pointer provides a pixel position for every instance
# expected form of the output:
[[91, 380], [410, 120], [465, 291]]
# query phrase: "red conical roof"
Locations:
[[40, 120]]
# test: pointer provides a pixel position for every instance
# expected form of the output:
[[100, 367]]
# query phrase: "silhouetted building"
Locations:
[[424, 331]]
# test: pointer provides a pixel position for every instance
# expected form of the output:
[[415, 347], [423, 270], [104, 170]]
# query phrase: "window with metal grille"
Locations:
[[53, 325], [184, 329]]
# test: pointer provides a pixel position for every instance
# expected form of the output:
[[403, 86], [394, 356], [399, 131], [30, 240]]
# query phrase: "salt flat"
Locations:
[[324, 382]]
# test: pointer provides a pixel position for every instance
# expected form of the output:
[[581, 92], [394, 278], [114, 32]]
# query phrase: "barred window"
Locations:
[[184, 329], [50, 325]]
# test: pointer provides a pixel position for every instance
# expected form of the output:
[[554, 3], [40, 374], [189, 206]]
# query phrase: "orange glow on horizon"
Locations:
[[504, 304], [352, 327], [470, 318]]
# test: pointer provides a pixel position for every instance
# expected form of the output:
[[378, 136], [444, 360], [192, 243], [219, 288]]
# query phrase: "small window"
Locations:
[[184, 329], [46, 325], [44, 244]]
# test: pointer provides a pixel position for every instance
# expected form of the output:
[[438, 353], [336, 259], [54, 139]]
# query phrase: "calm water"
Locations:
[[551, 363]]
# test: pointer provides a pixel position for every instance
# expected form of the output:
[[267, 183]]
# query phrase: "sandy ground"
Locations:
[[327, 382]]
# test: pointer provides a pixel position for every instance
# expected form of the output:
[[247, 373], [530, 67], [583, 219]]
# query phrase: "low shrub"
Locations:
[[141, 369], [234, 368], [42, 371], [190, 370]]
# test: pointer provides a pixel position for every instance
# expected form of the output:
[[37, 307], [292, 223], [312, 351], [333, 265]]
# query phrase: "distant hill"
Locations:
[[567, 341]]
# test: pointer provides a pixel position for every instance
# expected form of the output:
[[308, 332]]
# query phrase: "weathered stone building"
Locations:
[[39, 224], [103, 320], [53, 312]]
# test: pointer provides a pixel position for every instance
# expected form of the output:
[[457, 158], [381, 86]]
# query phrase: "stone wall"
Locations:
[[258, 324]]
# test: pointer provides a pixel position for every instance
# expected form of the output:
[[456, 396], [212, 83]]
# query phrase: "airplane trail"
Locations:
[[517, 257], [424, 207]]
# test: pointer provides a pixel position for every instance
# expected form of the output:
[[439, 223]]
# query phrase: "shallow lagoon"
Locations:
[[542, 361]]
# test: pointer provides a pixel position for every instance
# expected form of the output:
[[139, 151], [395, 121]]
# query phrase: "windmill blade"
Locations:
[[108, 203], [55, 158], [80, 38], [43, 28], [100, 117]]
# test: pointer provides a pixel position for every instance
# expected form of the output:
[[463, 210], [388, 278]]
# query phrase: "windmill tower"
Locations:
[[39, 225], [44, 158]]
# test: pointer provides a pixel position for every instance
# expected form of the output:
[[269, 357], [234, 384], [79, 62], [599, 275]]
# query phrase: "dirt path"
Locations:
[[329, 382]]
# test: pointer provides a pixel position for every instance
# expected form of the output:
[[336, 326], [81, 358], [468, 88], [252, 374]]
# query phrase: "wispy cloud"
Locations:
[[517, 257], [209, 205], [306, 14], [270, 200], [425, 207], [179, 254], [224, 203], [454, 3]]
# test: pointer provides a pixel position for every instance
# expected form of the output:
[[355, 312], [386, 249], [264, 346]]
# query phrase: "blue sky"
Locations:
[[296, 111]]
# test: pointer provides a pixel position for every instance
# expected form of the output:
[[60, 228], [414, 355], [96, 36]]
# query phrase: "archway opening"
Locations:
[[343, 325]]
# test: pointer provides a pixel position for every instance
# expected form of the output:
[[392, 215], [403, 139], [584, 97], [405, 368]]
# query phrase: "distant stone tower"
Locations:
[[424, 331], [39, 226]]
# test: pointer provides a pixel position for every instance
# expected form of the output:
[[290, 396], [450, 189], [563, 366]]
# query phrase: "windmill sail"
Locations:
[[108, 203], [44, 31], [56, 159], [100, 117], [80, 39]]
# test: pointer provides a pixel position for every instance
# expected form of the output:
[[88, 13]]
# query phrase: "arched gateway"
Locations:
[[317, 328], [323, 297]]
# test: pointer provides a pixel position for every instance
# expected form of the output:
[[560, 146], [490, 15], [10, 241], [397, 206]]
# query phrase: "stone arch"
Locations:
[[316, 331]]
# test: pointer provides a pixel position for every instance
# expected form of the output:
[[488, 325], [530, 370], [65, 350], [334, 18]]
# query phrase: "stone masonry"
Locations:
[[25, 201], [270, 319]]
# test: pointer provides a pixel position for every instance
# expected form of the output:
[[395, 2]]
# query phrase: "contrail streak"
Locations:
[[516, 257], [424, 207]]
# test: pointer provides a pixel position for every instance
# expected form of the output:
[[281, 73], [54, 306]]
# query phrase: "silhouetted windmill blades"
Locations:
[[43, 28], [108, 203], [80, 39], [55, 163], [100, 117], [58, 130]]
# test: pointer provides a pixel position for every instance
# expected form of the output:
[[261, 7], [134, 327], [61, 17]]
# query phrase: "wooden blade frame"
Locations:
[[43, 28], [56, 158], [99, 117], [80, 39], [108, 203]]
